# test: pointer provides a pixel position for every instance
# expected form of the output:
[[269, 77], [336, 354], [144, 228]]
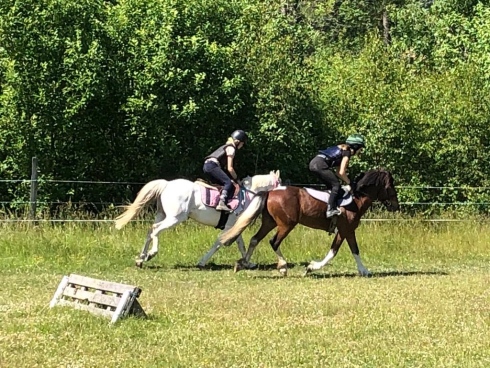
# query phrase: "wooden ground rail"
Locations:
[[100, 297]]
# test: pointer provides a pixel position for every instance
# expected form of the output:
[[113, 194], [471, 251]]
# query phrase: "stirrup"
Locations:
[[223, 207], [333, 212], [332, 227]]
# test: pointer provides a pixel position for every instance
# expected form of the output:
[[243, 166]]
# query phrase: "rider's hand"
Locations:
[[348, 188]]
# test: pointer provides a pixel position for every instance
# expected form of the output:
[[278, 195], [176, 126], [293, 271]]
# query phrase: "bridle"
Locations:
[[275, 183], [390, 192], [391, 198]]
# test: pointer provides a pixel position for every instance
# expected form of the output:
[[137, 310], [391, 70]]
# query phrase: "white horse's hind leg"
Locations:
[[160, 216], [157, 228], [241, 247], [144, 252]]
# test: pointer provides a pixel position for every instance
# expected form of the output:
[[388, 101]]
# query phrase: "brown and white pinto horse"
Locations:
[[285, 207]]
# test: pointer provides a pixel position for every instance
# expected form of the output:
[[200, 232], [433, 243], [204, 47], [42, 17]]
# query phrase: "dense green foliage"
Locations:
[[134, 90]]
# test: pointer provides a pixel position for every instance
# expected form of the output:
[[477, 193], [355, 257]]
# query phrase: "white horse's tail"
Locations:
[[151, 190], [253, 210]]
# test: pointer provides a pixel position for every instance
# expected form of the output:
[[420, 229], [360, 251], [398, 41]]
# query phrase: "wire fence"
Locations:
[[34, 201]]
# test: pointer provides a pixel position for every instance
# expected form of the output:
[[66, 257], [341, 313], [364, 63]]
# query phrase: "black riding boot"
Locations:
[[332, 209]]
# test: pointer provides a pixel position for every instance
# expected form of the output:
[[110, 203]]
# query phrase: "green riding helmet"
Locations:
[[356, 141]]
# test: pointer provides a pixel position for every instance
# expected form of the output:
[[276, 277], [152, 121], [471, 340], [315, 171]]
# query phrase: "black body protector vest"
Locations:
[[220, 155]]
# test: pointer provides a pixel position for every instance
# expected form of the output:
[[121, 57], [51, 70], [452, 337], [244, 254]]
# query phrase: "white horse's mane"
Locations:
[[262, 182]]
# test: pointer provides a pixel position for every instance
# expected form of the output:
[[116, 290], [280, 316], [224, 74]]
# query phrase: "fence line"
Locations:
[[34, 183], [72, 181], [312, 185]]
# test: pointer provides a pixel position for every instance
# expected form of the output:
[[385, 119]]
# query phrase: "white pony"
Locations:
[[181, 199]]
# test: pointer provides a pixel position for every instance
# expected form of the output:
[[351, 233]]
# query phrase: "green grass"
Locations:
[[427, 305]]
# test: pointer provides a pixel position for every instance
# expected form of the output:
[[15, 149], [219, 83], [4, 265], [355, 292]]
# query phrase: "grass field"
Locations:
[[427, 304]]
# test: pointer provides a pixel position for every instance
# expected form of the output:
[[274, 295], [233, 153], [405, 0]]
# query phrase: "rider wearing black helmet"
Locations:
[[336, 157], [219, 166]]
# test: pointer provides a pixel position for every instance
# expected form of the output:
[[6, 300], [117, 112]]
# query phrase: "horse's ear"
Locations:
[[278, 174]]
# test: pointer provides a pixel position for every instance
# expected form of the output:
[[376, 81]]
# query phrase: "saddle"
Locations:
[[210, 194], [219, 188], [344, 199]]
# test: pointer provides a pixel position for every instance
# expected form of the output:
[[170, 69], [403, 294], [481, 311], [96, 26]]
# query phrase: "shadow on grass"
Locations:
[[273, 266], [259, 267], [188, 267], [213, 267], [355, 274], [379, 274]]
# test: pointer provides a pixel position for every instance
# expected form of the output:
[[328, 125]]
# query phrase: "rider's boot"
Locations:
[[332, 212], [222, 202]]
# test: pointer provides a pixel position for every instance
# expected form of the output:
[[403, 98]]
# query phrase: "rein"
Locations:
[[275, 184], [359, 194]]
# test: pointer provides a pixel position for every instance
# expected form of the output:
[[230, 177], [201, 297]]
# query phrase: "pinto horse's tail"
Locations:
[[253, 210], [151, 190]]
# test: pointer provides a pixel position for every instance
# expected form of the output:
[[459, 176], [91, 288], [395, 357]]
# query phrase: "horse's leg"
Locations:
[[267, 225], [337, 242], [202, 262], [351, 240], [282, 231], [160, 216], [169, 222], [243, 251], [217, 244]]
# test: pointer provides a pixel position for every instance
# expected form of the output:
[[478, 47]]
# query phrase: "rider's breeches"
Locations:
[[319, 167], [218, 176]]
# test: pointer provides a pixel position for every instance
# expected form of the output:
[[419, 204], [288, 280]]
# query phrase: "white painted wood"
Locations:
[[123, 304], [105, 298], [59, 291]]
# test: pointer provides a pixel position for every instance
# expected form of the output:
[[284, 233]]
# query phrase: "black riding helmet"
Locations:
[[240, 135]]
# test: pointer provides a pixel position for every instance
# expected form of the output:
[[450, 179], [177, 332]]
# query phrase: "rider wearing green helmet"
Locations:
[[332, 163], [219, 166]]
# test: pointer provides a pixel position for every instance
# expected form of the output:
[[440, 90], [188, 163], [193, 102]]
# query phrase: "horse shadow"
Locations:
[[316, 275], [273, 266], [188, 267], [212, 267], [377, 274]]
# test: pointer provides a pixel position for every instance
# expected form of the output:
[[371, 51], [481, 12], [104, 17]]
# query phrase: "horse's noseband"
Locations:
[[389, 202]]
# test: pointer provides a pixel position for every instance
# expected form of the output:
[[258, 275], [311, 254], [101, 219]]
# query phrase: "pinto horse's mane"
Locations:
[[376, 177]]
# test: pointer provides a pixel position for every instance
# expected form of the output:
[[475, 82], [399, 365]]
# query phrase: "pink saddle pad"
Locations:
[[210, 197]]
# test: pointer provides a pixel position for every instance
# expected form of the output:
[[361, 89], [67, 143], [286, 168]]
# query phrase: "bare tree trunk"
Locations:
[[386, 27]]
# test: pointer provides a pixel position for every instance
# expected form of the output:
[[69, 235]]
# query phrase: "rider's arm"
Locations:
[[230, 153], [342, 173]]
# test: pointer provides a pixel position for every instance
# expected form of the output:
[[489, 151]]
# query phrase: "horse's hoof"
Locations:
[[238, 267], [307, 271], [252, 266], [139, 263], [201, 267], [283, 272]]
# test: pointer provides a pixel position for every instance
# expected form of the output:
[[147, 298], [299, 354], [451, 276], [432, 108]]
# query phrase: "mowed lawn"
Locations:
[[427, 304]]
